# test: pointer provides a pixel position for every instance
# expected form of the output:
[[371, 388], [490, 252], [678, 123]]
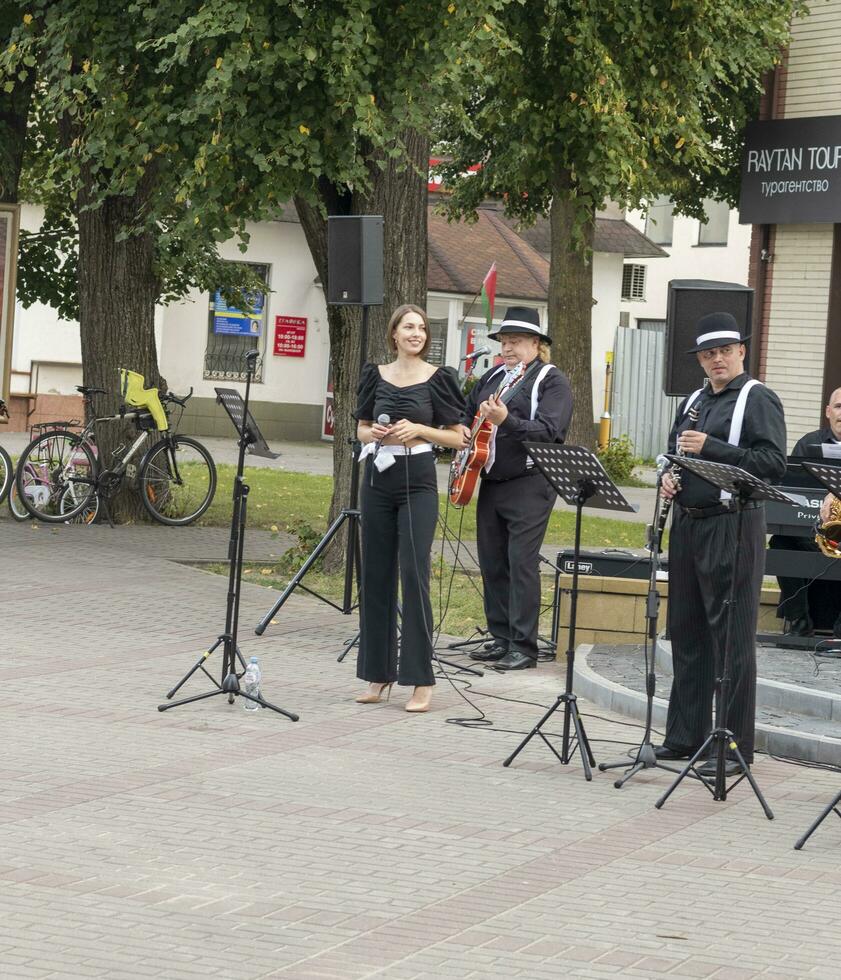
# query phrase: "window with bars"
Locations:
[[633, 281], [230, 334]]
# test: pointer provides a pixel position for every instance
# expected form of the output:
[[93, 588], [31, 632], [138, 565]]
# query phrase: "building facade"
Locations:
[[200, 343], [795, 264]]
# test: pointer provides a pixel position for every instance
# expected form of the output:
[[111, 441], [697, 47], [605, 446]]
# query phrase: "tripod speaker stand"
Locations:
[[249, 436], [577, 476], [349, 515], [742, 487]]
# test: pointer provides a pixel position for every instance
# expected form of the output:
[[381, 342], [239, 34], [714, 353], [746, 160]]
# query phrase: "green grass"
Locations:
[[457, 595], [284, 501]]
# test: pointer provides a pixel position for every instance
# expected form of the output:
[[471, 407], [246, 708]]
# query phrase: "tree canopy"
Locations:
[[586, 102], [631, 100]]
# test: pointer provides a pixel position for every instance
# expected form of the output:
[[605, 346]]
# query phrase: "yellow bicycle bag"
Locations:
[[135, 394]]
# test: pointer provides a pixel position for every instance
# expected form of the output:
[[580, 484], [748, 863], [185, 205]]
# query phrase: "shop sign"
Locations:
[[290, 336], [791, 171]]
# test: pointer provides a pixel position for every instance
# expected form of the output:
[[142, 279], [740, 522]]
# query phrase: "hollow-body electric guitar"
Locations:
[[468, 462]]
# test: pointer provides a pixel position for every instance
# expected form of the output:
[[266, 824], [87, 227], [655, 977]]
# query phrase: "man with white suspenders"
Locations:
[[515, 500], [739, 422]]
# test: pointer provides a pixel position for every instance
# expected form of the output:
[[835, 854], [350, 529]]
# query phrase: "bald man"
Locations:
[[794, 592]]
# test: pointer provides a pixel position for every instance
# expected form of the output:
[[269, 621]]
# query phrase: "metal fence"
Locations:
[[640, 410]]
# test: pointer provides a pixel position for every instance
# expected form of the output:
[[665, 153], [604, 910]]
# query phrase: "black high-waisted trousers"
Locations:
[[399, 511]]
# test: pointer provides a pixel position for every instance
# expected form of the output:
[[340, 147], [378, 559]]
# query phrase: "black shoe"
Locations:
[[731, 767], [836, 628], [802, 626], [664, 752], [515, 660], [489, 654]]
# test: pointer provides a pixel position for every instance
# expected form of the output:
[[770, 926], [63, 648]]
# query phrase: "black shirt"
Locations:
[[762, 444], [550, 422], [812, 439], [435, 402]]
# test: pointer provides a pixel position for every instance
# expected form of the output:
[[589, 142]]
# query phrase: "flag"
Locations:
[[489, 294]]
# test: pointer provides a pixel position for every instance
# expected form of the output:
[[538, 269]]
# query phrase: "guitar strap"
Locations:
[[536, 367]]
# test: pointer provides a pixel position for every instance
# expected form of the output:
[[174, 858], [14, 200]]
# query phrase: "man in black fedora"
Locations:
[[515, 501], [739, 422]]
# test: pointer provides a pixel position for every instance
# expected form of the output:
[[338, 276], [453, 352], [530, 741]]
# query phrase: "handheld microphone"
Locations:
[[381, 420], [480, 352]]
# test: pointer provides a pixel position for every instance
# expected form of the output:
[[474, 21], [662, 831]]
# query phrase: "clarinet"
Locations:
[[674, 472]]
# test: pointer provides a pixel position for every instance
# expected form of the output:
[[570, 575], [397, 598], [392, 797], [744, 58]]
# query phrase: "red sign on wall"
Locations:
[[290, 336]]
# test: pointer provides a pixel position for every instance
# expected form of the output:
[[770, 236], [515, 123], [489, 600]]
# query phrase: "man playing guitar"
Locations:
[[515, 501]]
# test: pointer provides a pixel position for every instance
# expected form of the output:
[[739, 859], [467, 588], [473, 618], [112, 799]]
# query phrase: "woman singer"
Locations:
[[403, 408]]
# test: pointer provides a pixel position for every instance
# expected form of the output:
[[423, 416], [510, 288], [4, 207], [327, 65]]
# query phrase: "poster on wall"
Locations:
[[290, 336], [327, 420], [228, 319]]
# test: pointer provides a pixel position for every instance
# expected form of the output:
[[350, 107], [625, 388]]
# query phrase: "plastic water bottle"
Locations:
[[251, 684]]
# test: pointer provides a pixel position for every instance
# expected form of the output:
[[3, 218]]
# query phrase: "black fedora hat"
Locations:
[[521, 319], [717, 330]]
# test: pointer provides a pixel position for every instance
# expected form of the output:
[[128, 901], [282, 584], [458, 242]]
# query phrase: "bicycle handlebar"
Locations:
[[182, 401]]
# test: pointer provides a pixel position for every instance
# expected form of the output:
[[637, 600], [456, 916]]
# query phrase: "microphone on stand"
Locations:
[[480, 352]]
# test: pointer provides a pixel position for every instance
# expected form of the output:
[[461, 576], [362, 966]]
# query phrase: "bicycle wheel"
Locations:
[[16, 508], [177, 480], [7, 473], [52, 463], [68, 505]]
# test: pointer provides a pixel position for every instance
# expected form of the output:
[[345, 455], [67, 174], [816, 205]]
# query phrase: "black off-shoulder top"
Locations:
[[435, 402]]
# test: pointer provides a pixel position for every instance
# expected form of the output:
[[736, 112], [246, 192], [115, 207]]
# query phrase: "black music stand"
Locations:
[[742, 486], [249, 435], [646, 757], [579, 478]]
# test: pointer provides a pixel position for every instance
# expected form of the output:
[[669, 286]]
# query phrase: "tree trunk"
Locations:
[[117, 294], [399, 195], [571, 306]]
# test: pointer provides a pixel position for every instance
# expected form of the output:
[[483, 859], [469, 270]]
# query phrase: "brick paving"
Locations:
[[361, 841]]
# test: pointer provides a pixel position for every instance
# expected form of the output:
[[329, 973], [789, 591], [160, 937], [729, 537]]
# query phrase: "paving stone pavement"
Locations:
[[361, 841]]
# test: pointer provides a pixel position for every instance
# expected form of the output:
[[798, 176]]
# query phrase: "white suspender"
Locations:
[[535, 394], [690, 401], [737, 420]]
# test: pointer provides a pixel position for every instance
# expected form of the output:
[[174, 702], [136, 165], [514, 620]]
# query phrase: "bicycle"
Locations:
[[7, 470], [59, 478]]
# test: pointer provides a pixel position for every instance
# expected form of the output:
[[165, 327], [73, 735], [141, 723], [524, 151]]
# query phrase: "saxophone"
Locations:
[[828, 534], [664, 506]]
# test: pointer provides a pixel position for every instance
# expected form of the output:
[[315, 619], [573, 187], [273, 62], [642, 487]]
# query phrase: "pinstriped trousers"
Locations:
[[701, 558]]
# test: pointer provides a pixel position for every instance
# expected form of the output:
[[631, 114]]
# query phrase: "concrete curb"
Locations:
[[806, 746], [778, 694]]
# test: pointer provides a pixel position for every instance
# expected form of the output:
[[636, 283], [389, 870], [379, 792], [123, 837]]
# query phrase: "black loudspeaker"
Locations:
[[689, 300], [355, 260]]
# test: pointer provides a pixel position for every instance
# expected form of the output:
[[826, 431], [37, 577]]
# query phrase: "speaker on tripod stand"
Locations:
[[354, 278]]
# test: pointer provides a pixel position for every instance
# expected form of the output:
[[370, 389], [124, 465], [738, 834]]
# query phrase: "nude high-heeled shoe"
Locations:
[[420, 700], [374, 694]]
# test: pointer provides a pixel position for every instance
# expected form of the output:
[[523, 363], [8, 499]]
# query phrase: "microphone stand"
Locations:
[[646, 757]]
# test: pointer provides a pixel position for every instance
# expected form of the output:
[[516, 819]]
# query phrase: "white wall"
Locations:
[[688, 260], [41, 336], [301, 380]]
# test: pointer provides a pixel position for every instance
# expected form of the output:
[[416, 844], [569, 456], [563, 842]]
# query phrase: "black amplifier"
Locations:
[[612, 562]]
